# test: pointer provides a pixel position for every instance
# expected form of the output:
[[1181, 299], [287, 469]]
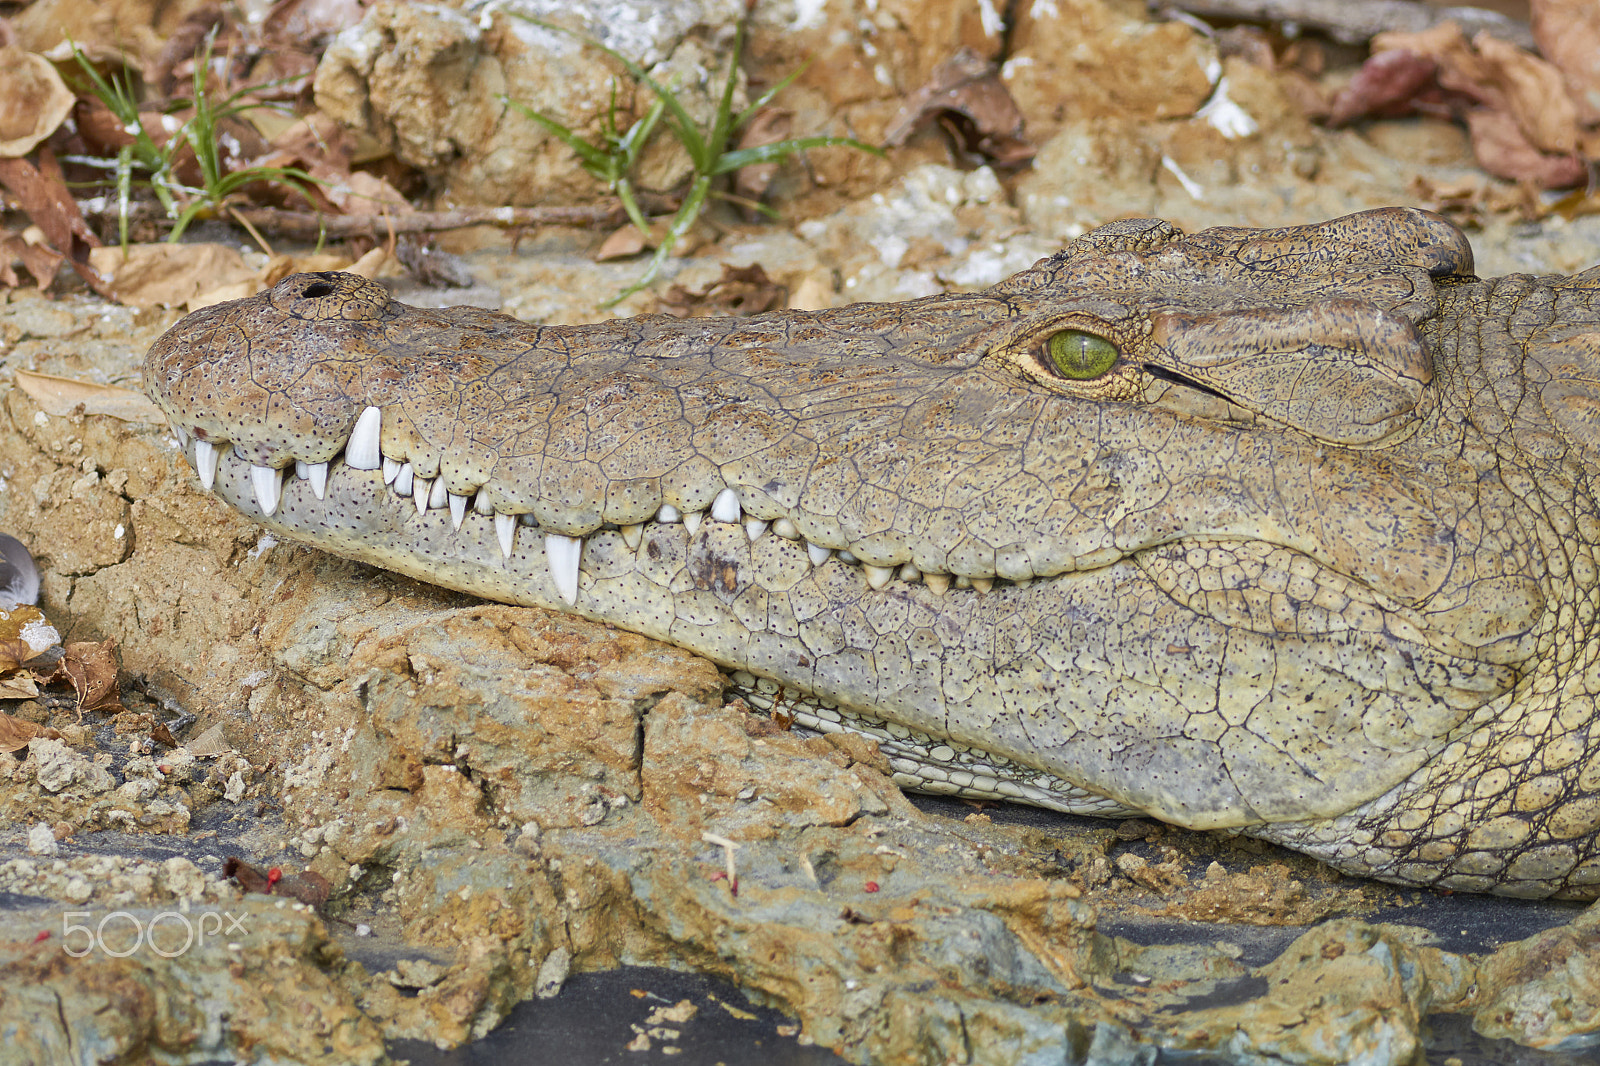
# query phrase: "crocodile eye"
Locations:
[[1078, 355]]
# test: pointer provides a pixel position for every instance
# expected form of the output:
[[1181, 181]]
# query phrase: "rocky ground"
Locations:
[[448, 807]]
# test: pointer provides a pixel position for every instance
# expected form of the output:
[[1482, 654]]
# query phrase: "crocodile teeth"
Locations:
[[302, 469], [505, 527], [909, 572], [692, 520], [268, 484], [849, 557], [819, 554], [983, 584], [182, 435], [317, 474], [563, 554], [878, 576], [938, 584], [458, 510], [633, 535], [362, 451], [725, 508], [786, 529], [402, 480], [391, 468], [205, 463], [436, 497], [668, 513], [421, 491], [481, 504], [754, 527]]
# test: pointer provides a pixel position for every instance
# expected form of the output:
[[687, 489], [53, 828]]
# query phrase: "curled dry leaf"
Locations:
[[741, 291], [44, 197], [16, 732], [1568, 34], [169, 275], [92, 670], [966, 94], [1387, 84], [1502, 149], [24, 635], [61, 396], [33, 100]]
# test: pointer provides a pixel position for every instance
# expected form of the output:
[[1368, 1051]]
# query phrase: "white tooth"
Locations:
[[458, 510], [402, 480], [909, 572], [505, 527], [421, 490], [878, 576], [205, 463], [528, 519], [436, 496], [391, 468], [268, 484], [318, 474], [182, 435], [847, 557], [692, 520], [963, 581], [725, 508], [480, 501], [983, 584], [361, 453], [754, 527], [938, 584], [819, 554], [302, 469], [668, 513], [786, 529], [563, 554], [633, 535]]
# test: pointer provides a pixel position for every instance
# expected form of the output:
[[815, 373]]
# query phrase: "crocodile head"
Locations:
[[1278, 529]]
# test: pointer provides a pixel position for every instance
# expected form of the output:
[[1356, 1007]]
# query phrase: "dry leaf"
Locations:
[[1387, 84], [44, 197], [1535, 95], [211, 742], [769, 126], [741, 291], [33, 100], [625, 241], [92, 669], [24, 635], [18, 687], [169, 275], [38, 259], [62, 396], [1502, 150], [1568, 34], [965, 94], [16, 732]]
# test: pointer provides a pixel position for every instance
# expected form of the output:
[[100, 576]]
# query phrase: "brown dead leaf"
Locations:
[[769, 126], [1568, 34], [24, 635], [1501, 148], [623, 242], [740, 292], [18, 687], [38, 259], [62, 396], [1387, 84], [44, 197], [16, 732], [1535, 95], [966, 95], [170, 275], [33, 100], [92, 670]]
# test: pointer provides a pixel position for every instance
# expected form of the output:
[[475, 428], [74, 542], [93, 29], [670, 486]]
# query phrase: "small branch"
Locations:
[[306, 226], [1357, 21]]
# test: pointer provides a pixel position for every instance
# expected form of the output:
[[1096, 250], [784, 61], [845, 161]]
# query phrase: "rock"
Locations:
[[42, 840], [56, 765]]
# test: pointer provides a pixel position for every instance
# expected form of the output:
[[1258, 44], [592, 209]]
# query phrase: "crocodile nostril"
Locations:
[[317, 288]]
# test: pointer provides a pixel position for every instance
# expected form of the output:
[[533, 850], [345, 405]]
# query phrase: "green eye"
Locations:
[[1079, 355]]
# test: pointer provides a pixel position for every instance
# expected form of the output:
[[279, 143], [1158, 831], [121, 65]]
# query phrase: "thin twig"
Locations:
[[306, 226], [1356, 21]]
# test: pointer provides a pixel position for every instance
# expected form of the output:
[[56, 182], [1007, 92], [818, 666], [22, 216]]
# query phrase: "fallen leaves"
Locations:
[[741, 291], [43, 196], [1531, 119], [63, 396], [15, 733], [967, 97], [33, 100]]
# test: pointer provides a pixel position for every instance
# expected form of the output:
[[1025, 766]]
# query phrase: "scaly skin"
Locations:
[[1314, 558]]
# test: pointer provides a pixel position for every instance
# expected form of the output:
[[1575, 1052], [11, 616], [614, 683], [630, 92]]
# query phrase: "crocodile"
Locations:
[[1289, 532]]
